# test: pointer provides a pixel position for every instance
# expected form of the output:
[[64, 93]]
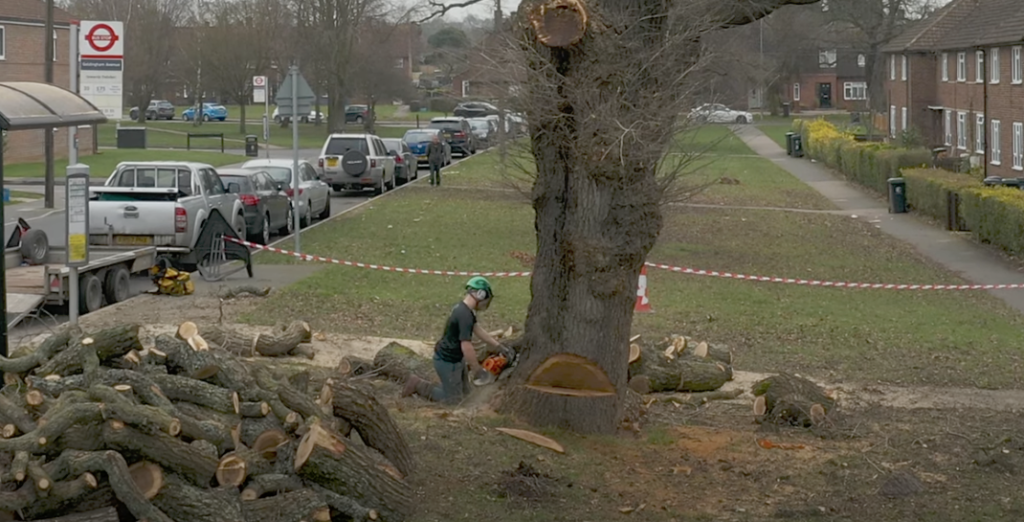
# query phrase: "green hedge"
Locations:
[[928, 190]]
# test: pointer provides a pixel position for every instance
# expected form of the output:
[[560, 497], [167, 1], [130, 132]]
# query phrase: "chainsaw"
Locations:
[[497, 366]]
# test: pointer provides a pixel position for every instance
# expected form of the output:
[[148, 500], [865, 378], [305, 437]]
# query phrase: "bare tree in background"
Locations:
[[376, 79], [150, 26]]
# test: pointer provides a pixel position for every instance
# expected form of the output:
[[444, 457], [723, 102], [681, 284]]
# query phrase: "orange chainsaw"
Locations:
[[495, 365]]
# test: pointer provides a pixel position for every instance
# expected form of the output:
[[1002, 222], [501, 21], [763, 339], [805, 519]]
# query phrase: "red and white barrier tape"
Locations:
[[677, 269]]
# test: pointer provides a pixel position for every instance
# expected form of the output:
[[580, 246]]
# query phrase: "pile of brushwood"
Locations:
[[95, 424]]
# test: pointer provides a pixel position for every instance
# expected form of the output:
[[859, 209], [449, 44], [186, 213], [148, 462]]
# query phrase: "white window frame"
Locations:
[[892, 121], [465, 88], [1018, 146], [961, 67], [903, 118], [948, 127], [979, 66], [796, 91], [853, 91], [55, 40], [961, 130], [903, 67], [862, 61], [994, 138], [979, 132], [3, 43], [827, 58], [892, 66], [945, 67], [993, 65], [1017, 71]]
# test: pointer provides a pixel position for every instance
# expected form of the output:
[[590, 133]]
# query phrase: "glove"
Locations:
[[506, 351]]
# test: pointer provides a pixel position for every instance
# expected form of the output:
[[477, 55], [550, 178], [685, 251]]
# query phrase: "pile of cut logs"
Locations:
[[677, 364], [95, 425]]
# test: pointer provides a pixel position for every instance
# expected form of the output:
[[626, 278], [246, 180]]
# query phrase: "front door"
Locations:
[[825, 95]]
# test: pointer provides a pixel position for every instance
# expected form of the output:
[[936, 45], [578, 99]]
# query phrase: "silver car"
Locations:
[[314, 195], [357, 162]]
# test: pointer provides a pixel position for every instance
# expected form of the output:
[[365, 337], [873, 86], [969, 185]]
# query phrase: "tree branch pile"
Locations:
[[179, 433], [678, 364]]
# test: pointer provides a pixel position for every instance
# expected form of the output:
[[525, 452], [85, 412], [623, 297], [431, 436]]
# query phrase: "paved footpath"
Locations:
[[973, 262]]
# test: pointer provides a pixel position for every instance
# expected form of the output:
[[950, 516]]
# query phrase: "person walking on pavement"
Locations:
[[435, 155], [455, 350]]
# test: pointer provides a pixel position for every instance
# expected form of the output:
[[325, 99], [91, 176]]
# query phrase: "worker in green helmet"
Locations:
[[455, 350]]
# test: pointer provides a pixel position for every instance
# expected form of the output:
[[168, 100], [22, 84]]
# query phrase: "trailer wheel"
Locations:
[[116, 286], [35, 246], [90, 294]]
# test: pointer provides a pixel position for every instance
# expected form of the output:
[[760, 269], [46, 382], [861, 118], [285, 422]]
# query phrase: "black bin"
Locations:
[[789, 143], [798, 146], [897, 195], [131, 137], [252, 146]]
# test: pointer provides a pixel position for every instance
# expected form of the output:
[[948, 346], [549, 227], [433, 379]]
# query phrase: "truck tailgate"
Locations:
[[132, 218]]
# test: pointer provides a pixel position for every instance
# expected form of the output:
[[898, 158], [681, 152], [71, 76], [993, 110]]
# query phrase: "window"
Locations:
[[892, 67], [903, 118], [993, 64], [1018, 75], [796, 92], [861, 61], [3, 42], [855, 91], [465, 88], [892, 121], [961, 130], [948, 126], [903, 67], [979, 67], [945, 67], [827, 58], [1018, 146], [55, 46], [997, 151], [979, 133], [961, 67]]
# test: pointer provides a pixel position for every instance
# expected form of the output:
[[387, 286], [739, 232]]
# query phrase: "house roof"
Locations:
[[31, 11], [963, 24]]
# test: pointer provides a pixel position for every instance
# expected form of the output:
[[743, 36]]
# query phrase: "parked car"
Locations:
[[457, 133], [313, 116], [267, 207], [474, 109], [419, 139], [357, 113], [211, 111], [357, 162], [157, 110], [483, 130], [406, 166], [163, 204], [718, 113], [314, 195]]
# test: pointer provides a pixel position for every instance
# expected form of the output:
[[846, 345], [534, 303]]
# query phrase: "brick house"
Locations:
[[957, 79], [490, 71], [833, 78], [22, 58]]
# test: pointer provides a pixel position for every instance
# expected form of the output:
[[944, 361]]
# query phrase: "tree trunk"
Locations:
[[175, 455], [374, 424], [109, 343], [294, 506], [397, 362], [684, 373]]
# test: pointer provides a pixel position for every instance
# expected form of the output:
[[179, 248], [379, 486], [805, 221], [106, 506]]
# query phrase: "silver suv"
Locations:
[[356, 162]]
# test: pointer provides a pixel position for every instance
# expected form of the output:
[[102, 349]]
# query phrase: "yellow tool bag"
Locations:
[[170, 281]]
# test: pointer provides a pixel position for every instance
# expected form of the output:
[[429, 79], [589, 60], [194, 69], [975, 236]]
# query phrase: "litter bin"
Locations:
[[785, 109], [897, 195], [131, 137], [252, 146], [789, 143], [798, 146]]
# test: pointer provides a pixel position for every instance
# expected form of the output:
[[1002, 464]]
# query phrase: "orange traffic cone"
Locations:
[[643, 304]]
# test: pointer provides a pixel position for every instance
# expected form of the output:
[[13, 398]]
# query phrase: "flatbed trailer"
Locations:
[[104, 280]]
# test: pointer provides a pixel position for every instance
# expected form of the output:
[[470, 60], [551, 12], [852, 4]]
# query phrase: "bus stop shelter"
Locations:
[[33, 105]]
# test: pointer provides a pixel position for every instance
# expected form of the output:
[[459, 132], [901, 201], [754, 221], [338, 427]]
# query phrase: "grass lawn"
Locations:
[[173, 135], [18, 196], [103, 163]]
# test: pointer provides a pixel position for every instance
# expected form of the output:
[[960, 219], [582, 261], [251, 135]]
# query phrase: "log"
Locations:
[[56, 342], [277, 343], [180, 388], [185, 361], [13, 414], [789, 399], [61, 497], [374, 424], [298, 402], [685, 373], [345, 505], [260, 485], [328, 460], [303, 350], [300, 381], [189, 333], [51, 426], [39, 477], [107, 514], [108, 344], [169, 452], [351, 366], [146, 418], [252, 428], [19, 466], [303, 505], [254, 409], [149, 478], [233, 292], [187, 503], [206, 446], [397, 362], [116, 469], [235, 467], [268, 442]]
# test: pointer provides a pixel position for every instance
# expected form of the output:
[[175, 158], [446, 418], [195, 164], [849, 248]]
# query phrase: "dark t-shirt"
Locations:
[[459, 328]]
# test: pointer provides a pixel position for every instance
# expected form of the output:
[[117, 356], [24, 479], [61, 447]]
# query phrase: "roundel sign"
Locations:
[[102, 39]]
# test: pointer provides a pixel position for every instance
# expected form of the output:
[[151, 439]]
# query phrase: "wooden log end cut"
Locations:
[[634, 352], [9, 430], [267, 443], [568, 371], [317, 437], [559, 23], [701, 350], [187, 330], [34, 398], [149, 478], [760, 406], [231, 470]]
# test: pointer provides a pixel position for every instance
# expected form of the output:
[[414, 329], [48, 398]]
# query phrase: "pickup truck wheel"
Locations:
[[35, 246], [116, 285], [90, 294]]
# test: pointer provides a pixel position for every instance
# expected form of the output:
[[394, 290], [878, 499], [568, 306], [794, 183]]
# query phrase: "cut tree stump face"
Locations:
[[569, 374], [559, 23]]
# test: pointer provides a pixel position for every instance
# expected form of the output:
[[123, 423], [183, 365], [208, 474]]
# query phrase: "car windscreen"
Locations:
[[446, 125], [339, 146], [479, 125], [419, 137], [279, 173], [244, 183], [393, 145]]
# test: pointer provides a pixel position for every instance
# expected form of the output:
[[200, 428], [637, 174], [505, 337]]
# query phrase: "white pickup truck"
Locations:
[[161, 204]]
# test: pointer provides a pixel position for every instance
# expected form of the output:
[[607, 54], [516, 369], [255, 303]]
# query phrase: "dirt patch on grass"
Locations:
[[526, 483]]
